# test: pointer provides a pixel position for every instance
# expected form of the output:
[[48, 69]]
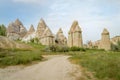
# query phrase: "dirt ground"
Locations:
[[57, 67]]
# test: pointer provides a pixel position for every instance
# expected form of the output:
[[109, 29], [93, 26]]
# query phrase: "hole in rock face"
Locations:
[[56, 41]]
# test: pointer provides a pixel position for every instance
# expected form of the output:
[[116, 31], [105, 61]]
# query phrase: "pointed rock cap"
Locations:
[[77, 29], [73, 26], [59, 31], [18, 22], [47, 32], [31, 28], [42, 23], [60, 34], [41, 26], [105, 32]]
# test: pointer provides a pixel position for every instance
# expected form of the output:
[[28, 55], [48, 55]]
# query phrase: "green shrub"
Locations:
[[76, 49], [32, 40], [62, 49], [2, 30], [56, 48]]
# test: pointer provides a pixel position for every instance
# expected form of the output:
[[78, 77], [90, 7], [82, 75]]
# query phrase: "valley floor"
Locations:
[[57, 67]]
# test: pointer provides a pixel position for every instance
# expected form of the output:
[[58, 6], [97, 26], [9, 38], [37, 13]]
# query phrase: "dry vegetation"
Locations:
[[100, 64]]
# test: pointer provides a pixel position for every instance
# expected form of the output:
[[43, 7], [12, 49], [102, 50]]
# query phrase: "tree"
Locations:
[[2, 30]]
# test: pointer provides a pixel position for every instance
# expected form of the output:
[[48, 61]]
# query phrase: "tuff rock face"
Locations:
[[60, 38], [105, 40], [47, 37], [7, 43], [16, 30], [41, 28], [75, 35], [30, 34], [31, 30], [115, 40]]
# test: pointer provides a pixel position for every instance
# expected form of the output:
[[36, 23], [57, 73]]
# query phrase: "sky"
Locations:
[[93, 15]]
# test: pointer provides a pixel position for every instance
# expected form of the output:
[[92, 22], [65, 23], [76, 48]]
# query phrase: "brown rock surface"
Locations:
[[7, 43], [40, 28], [16, 30], [115, 40], [61, 39], [75, 35], [105, 40], [47, 37]]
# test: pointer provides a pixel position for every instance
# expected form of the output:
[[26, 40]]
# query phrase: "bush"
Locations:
[[2, 30], [32, 40], [77, 49], [56, 48]]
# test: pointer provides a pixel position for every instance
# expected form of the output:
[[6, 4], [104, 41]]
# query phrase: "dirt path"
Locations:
[[56, 68]]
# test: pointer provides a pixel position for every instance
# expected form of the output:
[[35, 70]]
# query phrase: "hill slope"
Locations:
[[6, 43]]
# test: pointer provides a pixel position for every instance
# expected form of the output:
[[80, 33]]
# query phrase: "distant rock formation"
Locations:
[[75, 35], [44, 35], [16, 30], [60, 38], [105, 40], [31, 30], [90, 44], [30, 34], [115, 40], [96, 44]]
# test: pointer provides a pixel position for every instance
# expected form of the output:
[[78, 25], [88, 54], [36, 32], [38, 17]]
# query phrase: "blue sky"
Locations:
[[93, 15]]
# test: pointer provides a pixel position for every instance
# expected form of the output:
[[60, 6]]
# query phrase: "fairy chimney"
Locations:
[[31, 30], [30, 34], [16, 30], [75, 35], [40, 28], [47, 37], [105, 40], [61, 39]]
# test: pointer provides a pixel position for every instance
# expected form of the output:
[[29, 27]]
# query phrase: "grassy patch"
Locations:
[[36, 46], [104, 65], [14, 57]]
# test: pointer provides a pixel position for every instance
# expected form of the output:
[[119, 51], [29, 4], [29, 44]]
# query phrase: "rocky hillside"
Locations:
[[6, 43]]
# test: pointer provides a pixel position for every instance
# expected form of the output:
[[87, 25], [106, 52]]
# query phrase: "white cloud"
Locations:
[[26, 1], [42, 2], [92, 18], [91, 14]]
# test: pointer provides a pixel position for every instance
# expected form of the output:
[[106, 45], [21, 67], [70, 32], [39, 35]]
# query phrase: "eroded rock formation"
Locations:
[[40, 28], [47, 37], [105, 40], [60, 38], [16, 30], [75, 35], [115, 40], [30, 34]]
